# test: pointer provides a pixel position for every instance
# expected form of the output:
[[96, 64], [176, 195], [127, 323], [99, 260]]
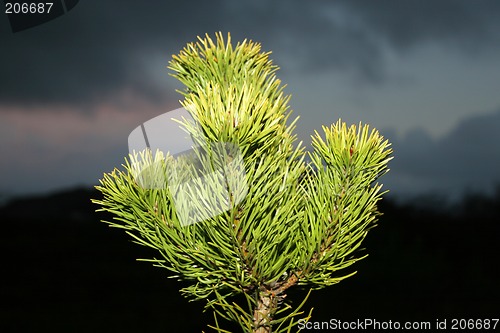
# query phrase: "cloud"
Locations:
[[95, 50], [407, 23], [62, 87], [51, 148], [100, 47], [354, 35], [467, 158]]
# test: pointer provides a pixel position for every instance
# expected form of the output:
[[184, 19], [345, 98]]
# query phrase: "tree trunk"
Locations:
[[267, 303], [262, 315]]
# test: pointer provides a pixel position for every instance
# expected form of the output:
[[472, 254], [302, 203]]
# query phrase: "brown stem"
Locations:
[[267, 304], [262, 315]]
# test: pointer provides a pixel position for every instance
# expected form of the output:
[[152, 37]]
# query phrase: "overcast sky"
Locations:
[[425, 73]]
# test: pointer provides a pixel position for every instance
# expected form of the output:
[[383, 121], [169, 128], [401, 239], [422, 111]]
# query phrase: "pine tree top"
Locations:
[[298, 221]]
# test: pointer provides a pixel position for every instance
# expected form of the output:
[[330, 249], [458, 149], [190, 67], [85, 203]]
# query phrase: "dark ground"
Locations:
[[63, 271]]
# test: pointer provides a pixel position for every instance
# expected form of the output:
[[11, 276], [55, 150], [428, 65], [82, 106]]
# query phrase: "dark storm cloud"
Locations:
[[352, 34], [101, 47], [95, 50], [408, 22], [467, 158]]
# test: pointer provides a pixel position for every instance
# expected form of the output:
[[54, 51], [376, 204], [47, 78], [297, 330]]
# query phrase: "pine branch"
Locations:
[[297, 223]]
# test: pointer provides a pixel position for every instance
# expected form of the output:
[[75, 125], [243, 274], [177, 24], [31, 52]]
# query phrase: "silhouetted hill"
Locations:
[[63, 271]]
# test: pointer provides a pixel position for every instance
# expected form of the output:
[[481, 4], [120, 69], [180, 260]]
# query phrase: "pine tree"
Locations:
[[299, 221]]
